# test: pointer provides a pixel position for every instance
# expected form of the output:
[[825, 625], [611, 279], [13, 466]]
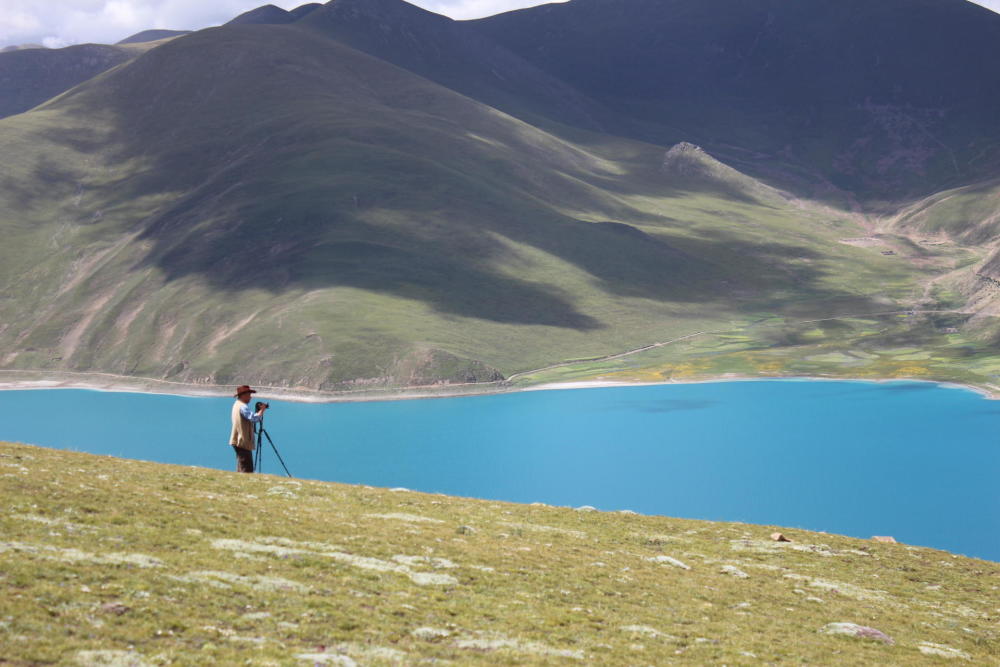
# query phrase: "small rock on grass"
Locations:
[[431, 579], [779, 537], [329, 659], [256, 616], [110, 659], [645, 631], [668, 560], [855, 630], [430, 634], [885, 539], [940, 650], [734, 572], [116, 608]]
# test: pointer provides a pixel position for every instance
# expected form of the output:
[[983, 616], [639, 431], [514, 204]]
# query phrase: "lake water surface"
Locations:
[[913, 460]]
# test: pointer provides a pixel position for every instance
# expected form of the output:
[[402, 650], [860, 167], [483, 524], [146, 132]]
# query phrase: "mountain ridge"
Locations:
[[152, 36], [447, 52]]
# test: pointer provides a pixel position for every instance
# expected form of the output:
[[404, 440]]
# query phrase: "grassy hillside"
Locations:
[[123, 562], [361, 226], [970, 214]]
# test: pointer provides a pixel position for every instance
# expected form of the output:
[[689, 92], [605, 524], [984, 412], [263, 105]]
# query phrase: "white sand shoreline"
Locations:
[[124, 384], [986, 393]]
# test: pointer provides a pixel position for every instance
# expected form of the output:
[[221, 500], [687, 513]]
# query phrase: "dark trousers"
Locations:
[[244, 459]]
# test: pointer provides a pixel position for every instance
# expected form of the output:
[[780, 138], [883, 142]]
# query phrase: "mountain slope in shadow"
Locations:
[[885, 98]]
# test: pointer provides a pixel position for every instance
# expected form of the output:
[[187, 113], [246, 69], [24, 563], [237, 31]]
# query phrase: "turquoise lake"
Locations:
[[916, 461]]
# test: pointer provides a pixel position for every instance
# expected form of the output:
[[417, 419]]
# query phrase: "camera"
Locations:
[[261, 404]]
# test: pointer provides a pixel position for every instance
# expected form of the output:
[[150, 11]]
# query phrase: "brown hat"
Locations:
[[244, 389]]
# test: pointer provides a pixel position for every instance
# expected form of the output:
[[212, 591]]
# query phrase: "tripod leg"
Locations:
[[276, 452], [260, 442]]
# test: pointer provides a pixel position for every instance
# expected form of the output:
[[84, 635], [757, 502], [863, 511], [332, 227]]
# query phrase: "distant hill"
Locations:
[[152, 36], [303, 10], [266, 15], [271, 15], [20, 47], [29, 77]]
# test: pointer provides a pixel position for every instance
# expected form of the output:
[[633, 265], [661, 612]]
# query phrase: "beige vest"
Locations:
[[242, 433]]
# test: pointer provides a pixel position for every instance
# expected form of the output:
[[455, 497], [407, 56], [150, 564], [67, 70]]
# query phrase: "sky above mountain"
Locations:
[[56, 23]]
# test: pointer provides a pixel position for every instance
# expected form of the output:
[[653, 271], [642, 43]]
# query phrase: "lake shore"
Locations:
[[118, 383], [647, 448]]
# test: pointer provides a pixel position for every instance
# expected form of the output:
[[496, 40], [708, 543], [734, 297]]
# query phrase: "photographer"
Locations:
[[242, 434]]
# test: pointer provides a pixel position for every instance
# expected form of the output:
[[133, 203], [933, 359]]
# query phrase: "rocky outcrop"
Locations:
[[688, 167], [858, 631]]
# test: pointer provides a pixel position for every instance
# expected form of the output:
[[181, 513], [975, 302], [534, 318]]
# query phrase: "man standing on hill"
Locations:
[[244, 418]]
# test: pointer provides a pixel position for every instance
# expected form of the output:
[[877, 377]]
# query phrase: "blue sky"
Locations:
[[57, 23]]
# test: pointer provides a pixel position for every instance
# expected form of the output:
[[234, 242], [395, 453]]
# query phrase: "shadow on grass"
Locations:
[[311, 170]]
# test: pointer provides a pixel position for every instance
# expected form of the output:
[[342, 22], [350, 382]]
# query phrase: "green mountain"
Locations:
[[368, 195]]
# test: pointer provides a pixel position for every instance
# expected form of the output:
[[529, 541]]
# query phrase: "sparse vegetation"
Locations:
[[103, 559], [936, 346]]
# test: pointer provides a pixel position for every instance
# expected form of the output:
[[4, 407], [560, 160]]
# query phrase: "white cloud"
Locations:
[[474, 9], [53, 42], [62, 22], [107, 21]]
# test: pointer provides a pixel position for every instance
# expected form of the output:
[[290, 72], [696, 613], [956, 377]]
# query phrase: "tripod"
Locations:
[[261, 434]]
